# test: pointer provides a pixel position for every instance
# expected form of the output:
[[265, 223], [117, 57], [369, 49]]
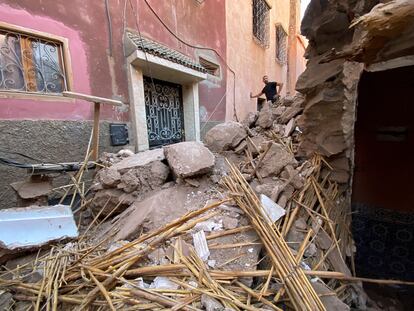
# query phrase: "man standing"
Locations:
[[272, 94]]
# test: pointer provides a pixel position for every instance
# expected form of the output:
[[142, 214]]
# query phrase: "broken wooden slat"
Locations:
[[93, 99]]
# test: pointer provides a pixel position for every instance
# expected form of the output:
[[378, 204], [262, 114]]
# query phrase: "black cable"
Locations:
[[13, 163], [44, 167], [27, 157], [142, 43], [200, 48], [21, 154]]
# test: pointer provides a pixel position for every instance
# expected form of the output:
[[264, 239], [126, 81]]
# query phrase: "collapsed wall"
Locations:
[[330, 89], [345, 38]]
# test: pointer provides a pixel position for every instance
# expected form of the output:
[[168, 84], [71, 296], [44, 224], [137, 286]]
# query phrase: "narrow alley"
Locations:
[[206, 155]]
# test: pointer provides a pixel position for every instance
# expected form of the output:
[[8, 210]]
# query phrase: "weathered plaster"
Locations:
[[85, 24], [51, 141], [141, 64], [22, 108], [248, 59]]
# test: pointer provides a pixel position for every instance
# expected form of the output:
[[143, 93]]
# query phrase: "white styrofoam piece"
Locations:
[[162, 282], [35, 226], [211, 263], [272, 210], [200, 245]]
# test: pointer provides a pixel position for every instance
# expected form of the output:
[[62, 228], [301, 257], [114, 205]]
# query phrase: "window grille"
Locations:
[[30, 64], [261, 19], [281, 44], [212, 69]]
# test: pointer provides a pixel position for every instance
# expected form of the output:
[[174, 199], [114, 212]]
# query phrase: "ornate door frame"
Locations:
[[138, 65]]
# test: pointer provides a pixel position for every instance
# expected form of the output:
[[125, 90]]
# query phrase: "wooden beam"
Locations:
[[97, 107], [93, 99], [95, 133]]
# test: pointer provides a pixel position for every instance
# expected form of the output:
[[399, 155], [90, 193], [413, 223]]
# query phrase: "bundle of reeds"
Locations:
[[300, 291]]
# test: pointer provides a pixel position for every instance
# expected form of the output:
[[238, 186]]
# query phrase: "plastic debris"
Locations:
[[200, 245], [272, 210]]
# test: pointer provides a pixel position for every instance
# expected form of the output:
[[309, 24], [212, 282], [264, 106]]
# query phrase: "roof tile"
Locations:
[[163, 51]]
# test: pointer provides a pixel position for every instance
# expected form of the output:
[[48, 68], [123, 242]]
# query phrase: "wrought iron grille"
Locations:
[[261, 19], [30, 64], [281, 44], [164, 109]]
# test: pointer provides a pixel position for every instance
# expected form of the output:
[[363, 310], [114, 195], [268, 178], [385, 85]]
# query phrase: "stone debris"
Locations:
[[250, 120], [211, 304], [225, 136], [265, 119], [290, 127], [188, 159], [139, 160], [275, 160], [106, 200], [110, 178], [209, 225], [124, 153], [167, 218], [33, 191], [293, 110], [33, 188], [329, 299], [179, 227], [230, 223], [118, 186]]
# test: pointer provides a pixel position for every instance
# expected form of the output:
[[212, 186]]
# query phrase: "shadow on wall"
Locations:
[[383, 200]]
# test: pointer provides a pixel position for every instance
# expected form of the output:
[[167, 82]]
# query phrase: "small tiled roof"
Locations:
[[163, 51]]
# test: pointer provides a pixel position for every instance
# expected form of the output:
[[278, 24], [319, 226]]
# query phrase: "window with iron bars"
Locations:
[[31, 64], [281, 44], [261, 16]]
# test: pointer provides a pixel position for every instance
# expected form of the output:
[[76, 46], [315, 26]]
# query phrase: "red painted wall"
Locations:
[[95, 72]]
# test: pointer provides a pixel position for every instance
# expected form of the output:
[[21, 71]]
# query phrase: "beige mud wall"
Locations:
[[248, 59]]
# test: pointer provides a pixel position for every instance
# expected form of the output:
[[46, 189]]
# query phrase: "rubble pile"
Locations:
[[241, 223]]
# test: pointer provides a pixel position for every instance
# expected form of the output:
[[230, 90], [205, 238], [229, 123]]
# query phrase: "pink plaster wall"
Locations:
[[60, 109], [248, 59], [97, 73], [202, 25]]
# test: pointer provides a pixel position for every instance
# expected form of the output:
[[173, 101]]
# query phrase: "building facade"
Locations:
[[171, 63], [263, 38]]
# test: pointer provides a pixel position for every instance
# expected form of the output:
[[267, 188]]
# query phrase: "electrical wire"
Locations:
[[142, 43], [147, 62], [41, 164], [200, 48], [13, 163], [44, 167], [21, 155]]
